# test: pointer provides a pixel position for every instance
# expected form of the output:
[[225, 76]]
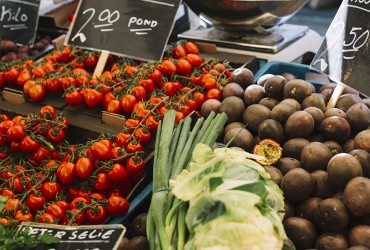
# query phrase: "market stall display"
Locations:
[[203, 155]]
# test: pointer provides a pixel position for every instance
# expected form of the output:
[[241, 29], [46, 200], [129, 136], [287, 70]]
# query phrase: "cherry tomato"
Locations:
[[117, 174], [55, 210], [77, 63], [130, 70], [139, 92], [28, 145], [167, 67], [11, 75], [102, 182], [48, 112], [66, 172], [97, 196], [185, 110], [183, 66], [100, 151], [151, 123], [169, 88], [114, 107], [11, 205], [55, 135], [97, 214], [67, 82], [63, 204], [143, 135], [128, 102], [52, 85], [47, 218], [38, 72], [5, 221], [199, 98], [80, 72], [117, 205], [210, 83], [22, 217], [118, 153], [79, 219], [131, 124], [23, 77], [37, 93], [93, 98], [122, 139], [133, 147], [50, 190], [107, 98], [15, 133], [191, 48], [5, 125], [41, 154], [135, 167], [84, 167], [78, 201], [6, 192], [194, 59], [91, 61], [73, 98], [156, 76], [148, 85], [35, 203], [178, 52], [213, 94], [16, 185]]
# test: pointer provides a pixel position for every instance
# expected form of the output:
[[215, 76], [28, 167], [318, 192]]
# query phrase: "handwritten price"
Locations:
[[359, 38], [356, 43], [106, 19]]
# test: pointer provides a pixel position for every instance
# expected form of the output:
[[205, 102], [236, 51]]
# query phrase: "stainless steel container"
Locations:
[[244, 15]]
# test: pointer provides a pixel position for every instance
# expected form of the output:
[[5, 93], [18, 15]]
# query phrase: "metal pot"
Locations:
[[241, 15]]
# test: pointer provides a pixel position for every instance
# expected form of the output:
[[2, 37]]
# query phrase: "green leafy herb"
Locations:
[[12, 239]]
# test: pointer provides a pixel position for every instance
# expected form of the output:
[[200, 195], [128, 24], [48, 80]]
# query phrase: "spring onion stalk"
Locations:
[[160, 179], [181, 229]]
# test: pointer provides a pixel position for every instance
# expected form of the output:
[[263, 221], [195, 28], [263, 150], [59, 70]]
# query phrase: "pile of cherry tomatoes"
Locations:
[[47, 179], [182, 77]]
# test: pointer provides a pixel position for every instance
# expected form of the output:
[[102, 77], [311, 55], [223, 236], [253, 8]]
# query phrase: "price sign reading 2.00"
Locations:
[[106, 19], [133, 28]]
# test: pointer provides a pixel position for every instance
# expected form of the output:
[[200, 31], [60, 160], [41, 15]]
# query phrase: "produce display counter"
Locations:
[[185, 148]]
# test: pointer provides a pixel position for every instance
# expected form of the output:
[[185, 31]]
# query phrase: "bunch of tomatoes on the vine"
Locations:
[[46, 179], [183, 77]]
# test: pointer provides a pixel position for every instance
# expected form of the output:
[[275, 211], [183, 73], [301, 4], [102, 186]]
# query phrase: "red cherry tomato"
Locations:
[[117, 205], [84, 167]]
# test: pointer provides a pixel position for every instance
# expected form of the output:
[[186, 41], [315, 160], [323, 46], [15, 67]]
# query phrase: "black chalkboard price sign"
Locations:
[[345, 53], [18, 20], [96, 237], [134, 28]]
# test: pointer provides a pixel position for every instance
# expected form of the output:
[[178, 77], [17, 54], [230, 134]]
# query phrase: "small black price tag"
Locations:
[[18, 20], [345, 53], [94, 237], [134, 28]]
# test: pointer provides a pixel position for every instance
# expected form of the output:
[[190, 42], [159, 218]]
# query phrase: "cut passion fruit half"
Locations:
[[270, 150]]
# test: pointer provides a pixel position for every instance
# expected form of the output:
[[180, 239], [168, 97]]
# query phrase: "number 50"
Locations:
[[357, 42]]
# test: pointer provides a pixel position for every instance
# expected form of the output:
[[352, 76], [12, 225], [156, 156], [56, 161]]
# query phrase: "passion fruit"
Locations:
[[271, 151]]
